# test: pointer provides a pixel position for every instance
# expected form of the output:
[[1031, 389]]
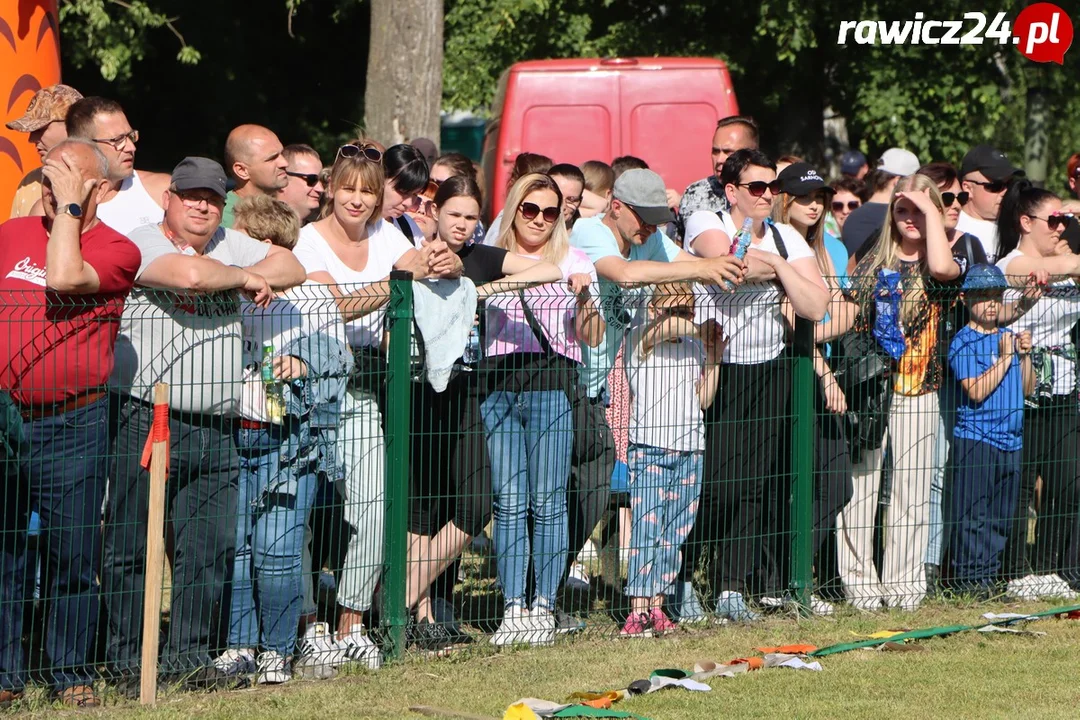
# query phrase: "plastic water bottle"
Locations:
[[473, 352], [741, 242], [275, 389]]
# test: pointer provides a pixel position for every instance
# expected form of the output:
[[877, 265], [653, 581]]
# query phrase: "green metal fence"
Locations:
[[810, 547]]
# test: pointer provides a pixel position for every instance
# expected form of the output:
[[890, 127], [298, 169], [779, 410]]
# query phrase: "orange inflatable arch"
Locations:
[[29, 61]]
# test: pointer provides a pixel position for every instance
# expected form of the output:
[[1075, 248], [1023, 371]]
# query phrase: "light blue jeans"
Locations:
[[271, 526], [665, 486], [530, 438]]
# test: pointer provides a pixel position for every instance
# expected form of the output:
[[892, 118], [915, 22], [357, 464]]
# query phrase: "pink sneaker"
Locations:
[[637, 626], [661, 623]]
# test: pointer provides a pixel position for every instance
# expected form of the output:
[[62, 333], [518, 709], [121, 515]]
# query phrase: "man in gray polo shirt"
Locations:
[[181, 326]]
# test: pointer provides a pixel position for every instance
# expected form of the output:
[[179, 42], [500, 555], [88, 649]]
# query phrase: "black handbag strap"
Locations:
[[534, 325]]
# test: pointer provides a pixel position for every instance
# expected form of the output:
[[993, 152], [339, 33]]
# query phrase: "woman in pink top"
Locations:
[[526, 411]]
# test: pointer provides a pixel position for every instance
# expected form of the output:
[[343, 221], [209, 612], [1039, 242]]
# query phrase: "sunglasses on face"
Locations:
[[310, 179], [838, 206], [529, 211], [994, 186], [947, 198], [366, 152], [757, 188], [1055, 221]]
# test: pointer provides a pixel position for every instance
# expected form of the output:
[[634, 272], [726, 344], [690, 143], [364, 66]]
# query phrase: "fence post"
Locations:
[[398, 409], [802, 495]]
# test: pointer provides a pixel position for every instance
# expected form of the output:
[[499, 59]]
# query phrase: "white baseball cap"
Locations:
[[898, 161]]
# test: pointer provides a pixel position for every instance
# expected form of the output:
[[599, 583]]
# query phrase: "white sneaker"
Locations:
[[1024, 588], [588, 552], [318, 652], [515, 628], [235, 662], [821, 607], [359, 648], [273, 669], [578, 580], [771, 602], [1057, 587], [542, 621]]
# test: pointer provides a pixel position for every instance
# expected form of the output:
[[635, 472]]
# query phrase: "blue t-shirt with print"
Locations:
[[620, 305], [999, 419]]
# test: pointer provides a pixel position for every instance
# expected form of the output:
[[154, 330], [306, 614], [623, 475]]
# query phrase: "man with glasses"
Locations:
[[304, 191], [255, 160], [181, 326], [984, 174], [134, 197]]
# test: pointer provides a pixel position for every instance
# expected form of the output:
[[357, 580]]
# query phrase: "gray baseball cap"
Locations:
[[643, 191], [195, 173]]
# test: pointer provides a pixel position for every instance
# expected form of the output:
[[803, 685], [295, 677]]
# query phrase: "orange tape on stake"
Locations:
[[159, 432]]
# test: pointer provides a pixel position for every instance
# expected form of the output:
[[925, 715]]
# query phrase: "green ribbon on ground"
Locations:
[[936, 632]]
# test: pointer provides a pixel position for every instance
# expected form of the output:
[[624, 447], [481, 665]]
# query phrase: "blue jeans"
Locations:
[[268, 577], [200, 497], [986, 485], [529, 437], [665, 486], [63, 475]]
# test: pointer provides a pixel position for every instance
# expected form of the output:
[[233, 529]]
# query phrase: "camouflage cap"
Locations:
[[48, 105]]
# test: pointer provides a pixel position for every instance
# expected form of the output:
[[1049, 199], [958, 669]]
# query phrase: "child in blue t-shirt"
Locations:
[[993, 368]]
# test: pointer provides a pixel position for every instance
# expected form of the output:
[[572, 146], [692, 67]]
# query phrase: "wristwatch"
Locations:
[[72, 209]]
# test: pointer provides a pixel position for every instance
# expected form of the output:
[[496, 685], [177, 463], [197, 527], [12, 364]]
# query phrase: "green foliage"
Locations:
[[112, 34]]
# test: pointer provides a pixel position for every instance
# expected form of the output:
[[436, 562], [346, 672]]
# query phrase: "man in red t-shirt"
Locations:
[[63, 280]]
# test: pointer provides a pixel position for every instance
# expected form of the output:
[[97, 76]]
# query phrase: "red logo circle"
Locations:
[[1043, 32]]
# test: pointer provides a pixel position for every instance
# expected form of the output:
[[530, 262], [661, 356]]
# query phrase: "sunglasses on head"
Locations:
[[529, 211], [310, 179], [365, 152], [994, 186], [757, 188], [947, 198], [838, 206], [1055, 221]]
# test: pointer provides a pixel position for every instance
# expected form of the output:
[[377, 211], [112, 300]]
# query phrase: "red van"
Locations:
[[663, 110]]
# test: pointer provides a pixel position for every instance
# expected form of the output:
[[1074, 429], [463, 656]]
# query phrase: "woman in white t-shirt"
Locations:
[[1030, 226], [755, 377], [353, 251], [526, 411]]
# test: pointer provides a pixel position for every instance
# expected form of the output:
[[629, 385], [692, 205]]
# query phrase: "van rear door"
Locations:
[[669, 113]]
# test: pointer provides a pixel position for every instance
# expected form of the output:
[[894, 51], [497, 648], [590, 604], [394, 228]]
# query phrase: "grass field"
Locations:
[[970, 675]]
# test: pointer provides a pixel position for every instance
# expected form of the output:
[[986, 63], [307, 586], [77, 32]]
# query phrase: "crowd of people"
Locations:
[[606, 340]]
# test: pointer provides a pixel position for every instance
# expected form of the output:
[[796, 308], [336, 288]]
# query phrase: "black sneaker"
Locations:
[[432, 637], [567, 624]]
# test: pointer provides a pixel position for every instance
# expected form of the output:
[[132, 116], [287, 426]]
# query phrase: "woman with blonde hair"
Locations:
[[529, 369], [599, 184], [911, 262], [353, 251]]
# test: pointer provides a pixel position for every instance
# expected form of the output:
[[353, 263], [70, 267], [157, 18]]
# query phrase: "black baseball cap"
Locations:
[[801, 179], [199, 173], [990, 161]]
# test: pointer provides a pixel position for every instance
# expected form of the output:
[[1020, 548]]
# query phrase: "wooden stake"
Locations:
[[155, 562]]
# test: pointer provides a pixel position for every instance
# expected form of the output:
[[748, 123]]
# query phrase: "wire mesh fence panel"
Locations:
[[436, 472]]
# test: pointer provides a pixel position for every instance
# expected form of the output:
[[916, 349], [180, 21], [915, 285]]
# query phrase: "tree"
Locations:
[[404, 70]]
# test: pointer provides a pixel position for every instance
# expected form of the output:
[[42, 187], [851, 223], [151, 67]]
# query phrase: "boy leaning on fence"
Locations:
[[993, 368]]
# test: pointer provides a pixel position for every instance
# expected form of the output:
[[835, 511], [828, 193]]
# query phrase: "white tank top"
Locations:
[[130, 208]]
